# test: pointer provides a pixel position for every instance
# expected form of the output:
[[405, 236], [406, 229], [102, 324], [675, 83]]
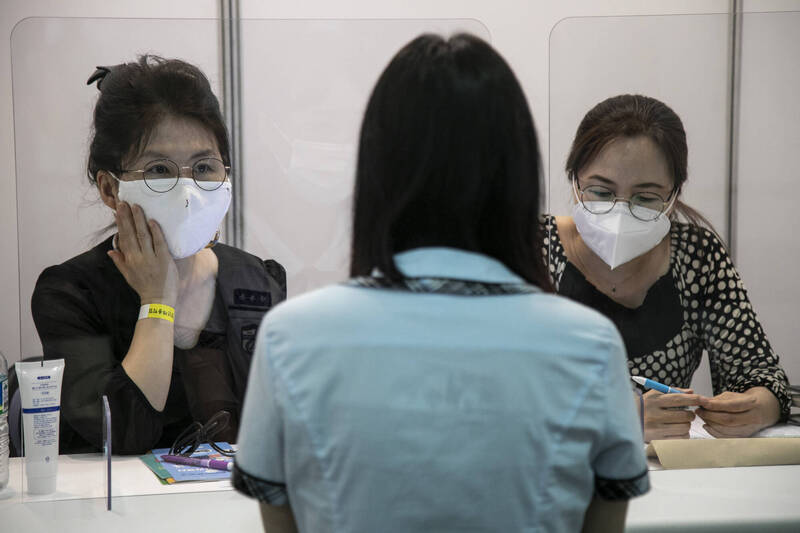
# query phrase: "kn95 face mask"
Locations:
[[188, 215], [617, 236]]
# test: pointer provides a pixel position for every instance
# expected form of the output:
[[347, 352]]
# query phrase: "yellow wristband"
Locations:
[[164, 312]]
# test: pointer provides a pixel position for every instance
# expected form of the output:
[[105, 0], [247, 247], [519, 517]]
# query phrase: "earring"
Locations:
[[214, 241]]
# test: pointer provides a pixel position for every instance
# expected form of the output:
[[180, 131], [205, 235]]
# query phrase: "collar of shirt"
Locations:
[[435, 262]]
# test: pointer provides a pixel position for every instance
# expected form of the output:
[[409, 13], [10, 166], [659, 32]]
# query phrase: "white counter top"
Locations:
[[762, 499]]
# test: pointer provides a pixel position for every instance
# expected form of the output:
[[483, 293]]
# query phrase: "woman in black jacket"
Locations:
[[159, 317]]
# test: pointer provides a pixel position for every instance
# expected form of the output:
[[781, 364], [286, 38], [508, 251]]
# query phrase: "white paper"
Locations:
[[697, 431]]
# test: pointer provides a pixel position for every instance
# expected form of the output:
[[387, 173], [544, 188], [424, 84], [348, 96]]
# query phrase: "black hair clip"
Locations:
[[100, 75], [196, 434]]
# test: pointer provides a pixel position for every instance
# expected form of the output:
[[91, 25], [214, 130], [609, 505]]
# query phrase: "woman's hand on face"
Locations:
[[739, 414], [143, 258], [666, 416]]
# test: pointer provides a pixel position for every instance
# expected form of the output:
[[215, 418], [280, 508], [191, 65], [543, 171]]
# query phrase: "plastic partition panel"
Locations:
[[679, 59], [305, 86], [767, 207], [59, 212]]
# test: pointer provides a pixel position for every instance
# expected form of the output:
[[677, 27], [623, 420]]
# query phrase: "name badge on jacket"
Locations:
[[250, 299]]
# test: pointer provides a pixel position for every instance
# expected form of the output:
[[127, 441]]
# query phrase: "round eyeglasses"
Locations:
[[162, 175], [198, 434], [645, 206]]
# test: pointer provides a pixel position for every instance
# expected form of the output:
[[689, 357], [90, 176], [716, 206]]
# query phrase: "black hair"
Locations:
[[632, 115], [448, 156], [135, 97]]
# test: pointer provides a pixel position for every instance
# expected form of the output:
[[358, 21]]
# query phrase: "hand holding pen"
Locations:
[[665, 416]]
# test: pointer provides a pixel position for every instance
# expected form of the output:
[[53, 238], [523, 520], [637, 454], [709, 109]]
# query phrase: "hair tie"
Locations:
[[100, 75]]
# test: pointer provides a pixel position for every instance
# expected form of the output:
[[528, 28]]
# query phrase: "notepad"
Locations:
[[156, 467], [180, 473], [697, 431]]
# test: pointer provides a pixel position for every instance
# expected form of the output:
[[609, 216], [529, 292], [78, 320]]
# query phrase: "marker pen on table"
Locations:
[[655, 385], [196, 461]]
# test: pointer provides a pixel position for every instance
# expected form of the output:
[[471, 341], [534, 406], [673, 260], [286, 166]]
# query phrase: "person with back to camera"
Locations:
[[159, 317], [443, 387], [669, 286]]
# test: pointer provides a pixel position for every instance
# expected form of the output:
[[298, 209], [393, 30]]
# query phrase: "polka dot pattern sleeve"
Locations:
[[699, 305], [739, 353]]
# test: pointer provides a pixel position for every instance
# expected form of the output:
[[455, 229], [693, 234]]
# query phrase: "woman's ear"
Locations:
[[108, 187], [573, 185], [672, 209]]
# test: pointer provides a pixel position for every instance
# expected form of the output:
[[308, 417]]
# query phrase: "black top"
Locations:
[[699, 304], [85, 312]]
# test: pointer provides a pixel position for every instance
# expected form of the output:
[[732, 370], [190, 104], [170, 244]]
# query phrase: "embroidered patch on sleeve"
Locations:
[[249, 337], [250, 299]]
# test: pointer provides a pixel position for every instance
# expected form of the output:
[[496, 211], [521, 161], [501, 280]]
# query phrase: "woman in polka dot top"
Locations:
[[669, 286]]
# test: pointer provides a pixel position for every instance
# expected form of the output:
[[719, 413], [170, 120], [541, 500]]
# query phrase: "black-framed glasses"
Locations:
[[598, 200], [197, 434], [161, 175]]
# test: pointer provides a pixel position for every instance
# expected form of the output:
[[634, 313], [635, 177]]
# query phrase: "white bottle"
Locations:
[[3, 422]]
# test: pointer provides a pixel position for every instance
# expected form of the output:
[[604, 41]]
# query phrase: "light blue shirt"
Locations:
[[388, 411]]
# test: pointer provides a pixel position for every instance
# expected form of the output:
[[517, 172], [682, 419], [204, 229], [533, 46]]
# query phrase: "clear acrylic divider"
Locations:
[[59, 213], [107, 451], [683, 60], [594, 58], [305, 85]]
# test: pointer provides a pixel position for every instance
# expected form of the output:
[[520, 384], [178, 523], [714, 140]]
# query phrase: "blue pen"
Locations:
[[655, 385]]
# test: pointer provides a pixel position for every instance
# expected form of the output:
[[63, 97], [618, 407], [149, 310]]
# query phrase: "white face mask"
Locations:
[[617, 236], [188, 215]]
